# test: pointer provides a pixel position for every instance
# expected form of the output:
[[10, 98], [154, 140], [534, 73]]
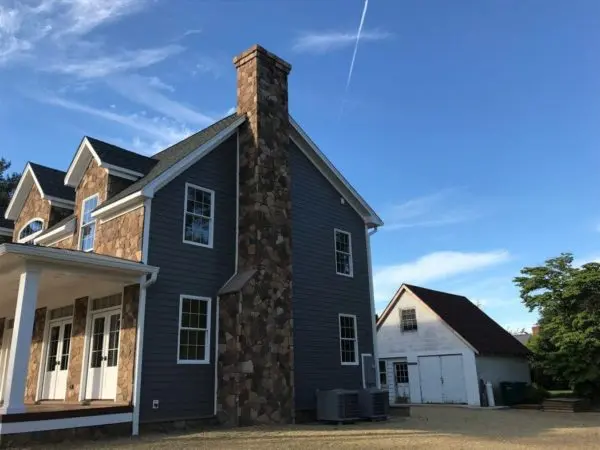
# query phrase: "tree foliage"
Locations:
[[8, 183], [567, 299]]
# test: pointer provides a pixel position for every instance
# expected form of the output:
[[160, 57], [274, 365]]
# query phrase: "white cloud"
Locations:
[[329, 41], [42, 28], [433, 210], [140, 90], [161, 130], [208, 65], [578, 262], [432, 267], [123, 61]]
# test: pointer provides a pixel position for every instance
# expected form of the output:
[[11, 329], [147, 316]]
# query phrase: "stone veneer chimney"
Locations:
[[256, 373]]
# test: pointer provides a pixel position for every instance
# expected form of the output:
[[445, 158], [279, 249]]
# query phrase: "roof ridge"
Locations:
[[31, 163], [437, 291], [191, 136]]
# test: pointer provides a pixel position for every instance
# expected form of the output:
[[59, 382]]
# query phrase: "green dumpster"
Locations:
[[513, 393]]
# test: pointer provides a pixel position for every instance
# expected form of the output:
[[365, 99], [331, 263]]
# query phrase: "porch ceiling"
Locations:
[[65, 274]]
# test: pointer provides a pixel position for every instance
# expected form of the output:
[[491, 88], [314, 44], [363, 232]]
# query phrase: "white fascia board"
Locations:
[[191, 159], [84, 259], [20, 196], [84, 154], [374, 219], [60, 202], [57, 234], [119, 205], [6, 231]]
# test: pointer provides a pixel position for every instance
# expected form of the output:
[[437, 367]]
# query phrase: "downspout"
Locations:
[[372, 295]]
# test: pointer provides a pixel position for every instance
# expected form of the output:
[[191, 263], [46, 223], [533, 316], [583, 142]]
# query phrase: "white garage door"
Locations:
[[442, 379]]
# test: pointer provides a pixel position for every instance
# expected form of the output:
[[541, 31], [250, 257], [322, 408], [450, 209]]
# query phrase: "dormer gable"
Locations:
[[49, 186], [117, 161]]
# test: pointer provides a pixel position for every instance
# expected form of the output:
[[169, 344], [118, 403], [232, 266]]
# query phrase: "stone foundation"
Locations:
[[77, 349], [35, 355], [129, 316]]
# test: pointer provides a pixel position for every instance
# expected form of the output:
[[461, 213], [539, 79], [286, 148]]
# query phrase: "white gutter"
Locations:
[[139, 345], [368, 235]]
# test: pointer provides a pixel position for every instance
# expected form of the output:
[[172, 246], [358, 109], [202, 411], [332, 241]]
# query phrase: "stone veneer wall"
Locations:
[[64, 243], [35, 355], [122, 237], [256, 339], [94, 181], [131, 295], [35, 206], [77, 348]]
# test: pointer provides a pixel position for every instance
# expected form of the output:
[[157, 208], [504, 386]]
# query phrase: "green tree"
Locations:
[[8, 183], [567, 299]]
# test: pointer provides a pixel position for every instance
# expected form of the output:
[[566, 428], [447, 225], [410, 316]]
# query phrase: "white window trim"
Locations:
[[355, 363], [335, 252], [32, 236], [206, 360], [416, 321], [211, 231], [81, 224]]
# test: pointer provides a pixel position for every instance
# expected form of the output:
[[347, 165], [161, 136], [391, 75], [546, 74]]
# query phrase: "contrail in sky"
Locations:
[[360, 27]]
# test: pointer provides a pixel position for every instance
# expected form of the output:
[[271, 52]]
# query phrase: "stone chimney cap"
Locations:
[[256, 51]]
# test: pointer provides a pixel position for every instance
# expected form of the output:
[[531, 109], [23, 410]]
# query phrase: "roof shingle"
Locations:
[[52, 182], [469, 321], [120, 157], [170, 156]]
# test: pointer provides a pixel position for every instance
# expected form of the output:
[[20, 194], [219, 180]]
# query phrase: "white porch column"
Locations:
[[18, 358]]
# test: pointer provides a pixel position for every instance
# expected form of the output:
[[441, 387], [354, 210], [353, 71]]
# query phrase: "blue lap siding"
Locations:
[[186, 391], [319, 294]]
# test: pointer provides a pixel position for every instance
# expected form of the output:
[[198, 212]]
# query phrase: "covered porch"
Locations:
[[68, 329]]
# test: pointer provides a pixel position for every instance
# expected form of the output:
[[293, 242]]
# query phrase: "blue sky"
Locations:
[[470, 126]]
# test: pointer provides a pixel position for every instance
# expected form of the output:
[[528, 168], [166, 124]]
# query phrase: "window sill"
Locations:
[[351, 275], [350, 363], [197, 244], [193, 362]]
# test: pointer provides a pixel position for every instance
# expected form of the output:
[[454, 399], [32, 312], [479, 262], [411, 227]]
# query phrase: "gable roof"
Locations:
[[172, 155], [52, 182], [50, 185], [120, 157], [466, 319]]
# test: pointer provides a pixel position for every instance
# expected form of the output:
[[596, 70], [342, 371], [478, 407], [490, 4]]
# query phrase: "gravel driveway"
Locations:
[[428, 427]]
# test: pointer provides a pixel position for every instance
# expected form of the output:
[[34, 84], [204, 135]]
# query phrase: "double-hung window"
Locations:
[[348, 340], [343, 253], [87, 229], [408, 319], [199, 214], [194, 330]]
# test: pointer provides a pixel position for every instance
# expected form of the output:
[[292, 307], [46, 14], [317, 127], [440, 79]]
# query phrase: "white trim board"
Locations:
[[27, 181], [84, 155], [60, 424], [58, 234]]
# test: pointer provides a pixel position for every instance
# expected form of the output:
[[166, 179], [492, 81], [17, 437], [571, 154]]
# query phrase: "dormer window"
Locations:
[[31, 230], [88, 224]]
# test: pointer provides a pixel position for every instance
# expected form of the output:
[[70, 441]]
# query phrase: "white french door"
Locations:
[[104, 355], [56, 364]]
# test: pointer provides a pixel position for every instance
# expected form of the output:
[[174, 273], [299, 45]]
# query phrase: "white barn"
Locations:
[[434, 347]]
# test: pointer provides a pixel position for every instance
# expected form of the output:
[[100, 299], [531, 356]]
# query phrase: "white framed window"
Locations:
[[343, 253], [401, 373], [348, 340], [198, 216], [193, 342], [408, 319], [382, 373], [30, 230], [87, 227]]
